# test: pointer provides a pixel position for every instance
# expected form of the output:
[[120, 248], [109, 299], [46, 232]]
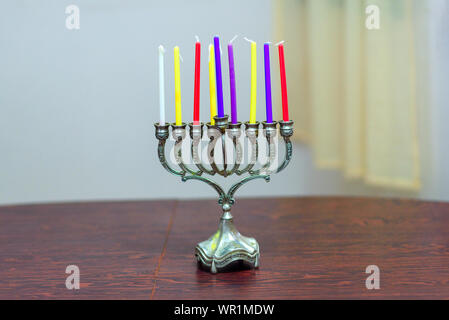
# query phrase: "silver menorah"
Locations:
[[226, 247]]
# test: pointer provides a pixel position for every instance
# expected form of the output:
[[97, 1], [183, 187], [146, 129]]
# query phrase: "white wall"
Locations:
[[437, 181], [77, 107]]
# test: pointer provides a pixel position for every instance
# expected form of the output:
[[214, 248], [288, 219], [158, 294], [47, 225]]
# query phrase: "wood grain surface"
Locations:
[[116, 246], [311, 248]]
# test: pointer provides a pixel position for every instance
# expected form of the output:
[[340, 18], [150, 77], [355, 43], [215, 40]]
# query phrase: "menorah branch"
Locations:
[[162, 135], [214, 185], [236, 186], [286, 129]]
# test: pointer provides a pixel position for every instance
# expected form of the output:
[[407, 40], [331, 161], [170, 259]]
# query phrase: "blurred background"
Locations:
[[78, 106]]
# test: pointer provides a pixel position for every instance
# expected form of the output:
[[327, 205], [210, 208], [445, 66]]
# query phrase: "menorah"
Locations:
[[226, 247]]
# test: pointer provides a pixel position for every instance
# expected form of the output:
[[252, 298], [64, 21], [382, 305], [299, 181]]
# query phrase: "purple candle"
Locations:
[[266, 49], [219, 83], [232, 84]]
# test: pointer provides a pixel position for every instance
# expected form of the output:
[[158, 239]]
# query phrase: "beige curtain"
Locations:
[[352, 90]]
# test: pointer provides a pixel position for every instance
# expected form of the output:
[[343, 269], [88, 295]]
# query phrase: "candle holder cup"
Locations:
[[226, 248]]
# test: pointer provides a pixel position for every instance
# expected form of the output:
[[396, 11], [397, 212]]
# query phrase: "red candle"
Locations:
[[283, 83], [196, 93]]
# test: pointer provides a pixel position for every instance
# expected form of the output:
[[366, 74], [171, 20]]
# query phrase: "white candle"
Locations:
[[161, 86]]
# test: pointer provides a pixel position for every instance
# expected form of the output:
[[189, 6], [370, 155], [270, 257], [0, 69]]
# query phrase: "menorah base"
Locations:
[[227, 249]]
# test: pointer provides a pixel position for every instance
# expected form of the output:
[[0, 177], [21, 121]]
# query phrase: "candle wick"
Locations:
[[249, 40], [280, 42], [197, 38], [235, 37], [162, 49]]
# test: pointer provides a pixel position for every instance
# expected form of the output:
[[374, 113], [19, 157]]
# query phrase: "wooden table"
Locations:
[[310, 248]]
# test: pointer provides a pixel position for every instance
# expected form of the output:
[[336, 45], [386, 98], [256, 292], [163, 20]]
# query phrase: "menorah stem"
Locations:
[[227, 244]]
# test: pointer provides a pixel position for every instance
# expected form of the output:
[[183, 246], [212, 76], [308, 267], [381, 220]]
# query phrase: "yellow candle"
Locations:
[[177, 87], [252, 108], [212, 85]]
